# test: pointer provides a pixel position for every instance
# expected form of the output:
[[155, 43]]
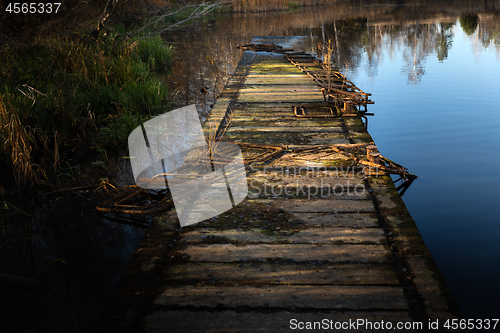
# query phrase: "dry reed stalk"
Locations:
[[327, 61], [17, 143], [215, 137], [56, 149]]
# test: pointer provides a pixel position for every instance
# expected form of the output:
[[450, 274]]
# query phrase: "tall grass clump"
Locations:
[[17, 144], [63, 94]]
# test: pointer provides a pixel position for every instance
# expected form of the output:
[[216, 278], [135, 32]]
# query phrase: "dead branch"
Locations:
[[110, 5], [32, 97]]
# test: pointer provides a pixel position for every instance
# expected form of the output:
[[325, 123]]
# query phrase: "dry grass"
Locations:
[[18, 141]]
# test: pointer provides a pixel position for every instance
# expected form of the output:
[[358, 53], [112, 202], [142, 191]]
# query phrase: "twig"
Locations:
[[32, 98], [105, 15], [31, 88]]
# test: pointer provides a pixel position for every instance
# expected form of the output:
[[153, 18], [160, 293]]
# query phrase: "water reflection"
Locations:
[[444, 40], [416, 39], [403, 184], [468, 22], [206, 55]]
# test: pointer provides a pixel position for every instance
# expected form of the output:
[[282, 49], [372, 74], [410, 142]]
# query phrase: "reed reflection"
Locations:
[[206, 55], [416, 39]]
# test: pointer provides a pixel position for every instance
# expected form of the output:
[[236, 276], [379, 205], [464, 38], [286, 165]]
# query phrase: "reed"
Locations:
[[18, 141]]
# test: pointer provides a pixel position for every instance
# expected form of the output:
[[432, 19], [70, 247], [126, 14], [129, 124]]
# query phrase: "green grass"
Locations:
[[293, 6], [59, 94]]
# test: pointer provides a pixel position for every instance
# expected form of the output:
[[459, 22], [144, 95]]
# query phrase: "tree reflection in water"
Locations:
[[207, 54]]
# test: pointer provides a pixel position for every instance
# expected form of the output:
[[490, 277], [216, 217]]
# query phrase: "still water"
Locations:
[[434, 72], [441, 118]]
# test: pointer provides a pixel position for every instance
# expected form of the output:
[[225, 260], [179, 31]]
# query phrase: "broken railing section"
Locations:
[[323, 111], [270, 151], [361, 153], [357, 152], [133, 200], [375, 161], [334, 85]]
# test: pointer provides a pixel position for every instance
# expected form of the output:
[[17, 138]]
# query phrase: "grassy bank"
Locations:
[[68, 95], [62, 97]]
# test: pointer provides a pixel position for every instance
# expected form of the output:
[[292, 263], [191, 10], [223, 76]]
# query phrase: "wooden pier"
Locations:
[[319, 238]]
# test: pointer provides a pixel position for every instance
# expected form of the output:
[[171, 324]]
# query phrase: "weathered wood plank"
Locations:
[[283, 121], [300, 297], [336, 220], [282, 273], [307, 138], [283, 129], [301, 236], [322, 206], [180, 321], [296, 252]]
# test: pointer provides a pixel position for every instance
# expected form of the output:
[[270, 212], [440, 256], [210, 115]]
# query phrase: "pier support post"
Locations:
[[374, 158], [371, 149]]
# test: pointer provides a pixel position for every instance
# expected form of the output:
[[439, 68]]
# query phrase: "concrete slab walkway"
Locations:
[[318, 244]]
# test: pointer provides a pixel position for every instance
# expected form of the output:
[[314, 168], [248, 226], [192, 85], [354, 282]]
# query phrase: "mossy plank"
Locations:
[[302, 236], [297, 252], [323, 205], [355, 220], [306, 138], [292, 121], [286, 129]]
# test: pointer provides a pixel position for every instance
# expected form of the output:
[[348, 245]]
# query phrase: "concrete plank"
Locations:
[[279, 273], [336, 220], [228, 321], [283, 129], [287, 138], [300, 297], [323, 206], [297, 252], [283, 121], [300, 236]]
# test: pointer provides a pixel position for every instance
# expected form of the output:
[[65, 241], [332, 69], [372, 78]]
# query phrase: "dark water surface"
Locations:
[[434, 72]]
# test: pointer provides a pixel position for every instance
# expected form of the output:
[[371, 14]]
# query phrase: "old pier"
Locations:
[[322, 234]]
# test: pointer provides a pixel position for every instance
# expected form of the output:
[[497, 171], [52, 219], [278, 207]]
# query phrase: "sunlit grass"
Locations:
[[60, 93]]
